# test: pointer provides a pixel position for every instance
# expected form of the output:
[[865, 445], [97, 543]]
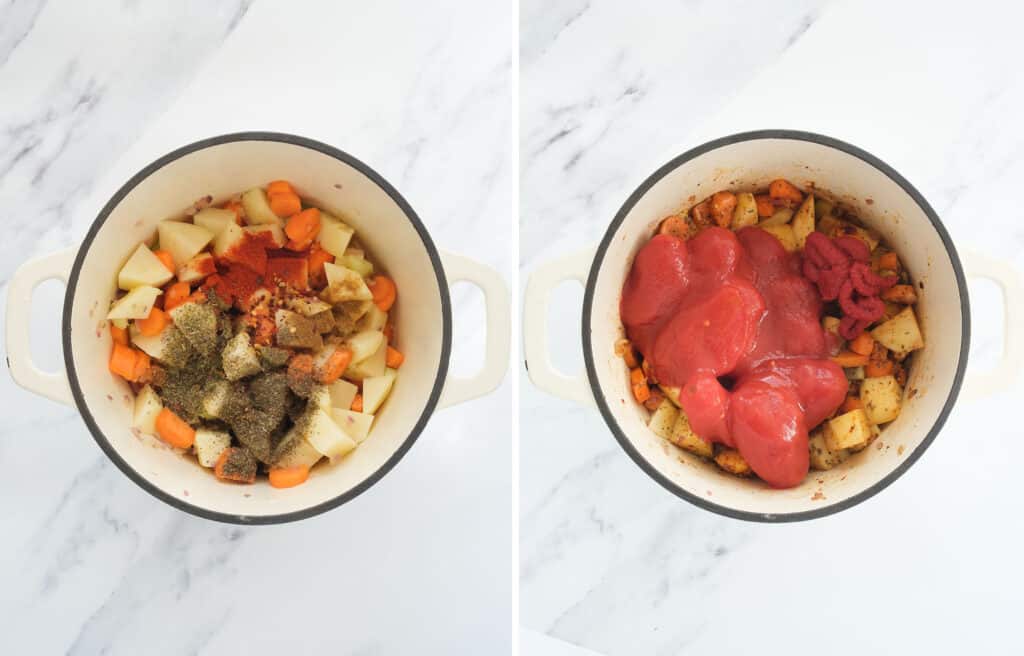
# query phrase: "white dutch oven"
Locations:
[[887, 203], [221, 167]]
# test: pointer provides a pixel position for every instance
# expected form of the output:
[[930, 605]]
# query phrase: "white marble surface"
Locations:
[[612, 562], [423, 562]]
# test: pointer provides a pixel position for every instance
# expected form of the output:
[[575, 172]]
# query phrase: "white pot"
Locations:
[[223, 166], [887, 203]]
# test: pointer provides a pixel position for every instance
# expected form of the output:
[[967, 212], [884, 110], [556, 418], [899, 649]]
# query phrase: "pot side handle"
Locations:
[[981, 384], [499, 329], [535, 334], [53, 386]]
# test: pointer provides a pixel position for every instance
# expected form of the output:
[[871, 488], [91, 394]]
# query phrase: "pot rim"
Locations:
[[446, 322], [588, 300]]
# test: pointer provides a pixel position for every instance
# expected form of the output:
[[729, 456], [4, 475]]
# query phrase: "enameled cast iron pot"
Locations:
[[887, 203], [223, 166]]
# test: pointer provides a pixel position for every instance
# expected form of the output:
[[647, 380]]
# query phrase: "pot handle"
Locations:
[[535, 335], [499, 328], [53, 386], [981, 384]]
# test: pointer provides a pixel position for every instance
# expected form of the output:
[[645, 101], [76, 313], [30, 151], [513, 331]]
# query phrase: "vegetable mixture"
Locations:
[[256, 335], [770, 332]]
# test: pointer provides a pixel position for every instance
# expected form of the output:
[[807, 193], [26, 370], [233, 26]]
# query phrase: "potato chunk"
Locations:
[[822, 457], [848, 431], [882, 399], [684, 437], [746, 211], [803, 221], [731, 461], [901, 334], [663, 419], [784, 233]]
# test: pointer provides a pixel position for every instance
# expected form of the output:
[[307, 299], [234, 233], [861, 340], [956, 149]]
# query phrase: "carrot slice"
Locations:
[[174, 430], [119, 335], [641, 392], [394, 358], [123, 361], [676, 226], [904, 294], [785, 192], [335, 366], [357, 403], [723, 204], [889, 262], [282, 477], [318, 257], [220, 469], [636, 376], [303, 226], [876, 368], [850, 359], [166, 258], [280, 186], [384, 292], [765, 205], [852, 403], [176, 294], [285, 204], [863, 344], [142, 371], [153, 324]]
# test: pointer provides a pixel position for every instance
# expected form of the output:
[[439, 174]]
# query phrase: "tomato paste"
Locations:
[[731, 320]]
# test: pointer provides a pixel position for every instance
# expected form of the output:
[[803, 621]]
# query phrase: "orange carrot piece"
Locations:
[[119, 335], [174, 430], [723, 204], [153, 324], [176, 294], [701, 213], [394, 358], [220, 472], [876, 368], [655, 399], [280, 186], [285, 204], [123, 361], [142, 371], [303, 226], [636, 376], [785, 192], [384, 292], [166, 258], [851, 403], [335, 366], [318, 257], [237, 208], [765, 205], [357, 403], [675, 226], [904, 294], [282, 477], [863, 344], [889, 262], [850, 359], [641, 392]]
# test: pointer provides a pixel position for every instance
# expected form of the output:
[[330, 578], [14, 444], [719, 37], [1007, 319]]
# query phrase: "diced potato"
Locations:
[[823, 207], [830, 324], [297, 331], [355, 424], [375, 365], [342, 394], [334, 235], [828, 224], [882, 398], [143, 269], [784, 233], [663, 419], [376, 389], [374, 319], [901, 334], [803, 221], [671, 393], [869, 237], [257, 209], [277, 236], [731, 461], [214, 397], [364, 344], [210, 444], [822, 457], [240, 358], [136, 304], [183, 240], [294, 450], [344, 284], [326, 436], [147, 406], [320, 397], [198, 323], [197, 268], [782, 216], [154, 346], [848, 430], [348, 315], [357, 263], [684, 437], [231, 236], [214, 219], [746, 211], [307, 306]]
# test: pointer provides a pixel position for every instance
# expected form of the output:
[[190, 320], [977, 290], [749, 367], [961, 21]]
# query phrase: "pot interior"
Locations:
[[389, 233], [882, 204]]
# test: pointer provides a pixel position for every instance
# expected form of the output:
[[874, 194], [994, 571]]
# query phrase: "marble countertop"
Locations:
[[612, 562], [423, 92]]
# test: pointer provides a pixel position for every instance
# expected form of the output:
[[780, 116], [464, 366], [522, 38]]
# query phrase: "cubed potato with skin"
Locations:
[[229, 237], [257, 208], [183, 240], [147, 406], [376, 389], [198, 268], [274, 231], [822, 457], [663, 419], [294, 450], [136, 304], [671, 393], [215, 397], [803, 221], [364, 344], [210, 444], [326, 436], [900, 334], [355, 424], [342, 394], [375, 365], [731, 461], [746, 211], [782, 216], [784, 233], [374, 319], [847, 431], [684, 437], [344, 284], [143, 269], [155, 346], [882, 398], [239, 358], [214, 219], [357, 263], [334, 235]]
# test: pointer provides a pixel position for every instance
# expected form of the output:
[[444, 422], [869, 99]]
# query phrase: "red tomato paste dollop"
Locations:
[[730, 319]]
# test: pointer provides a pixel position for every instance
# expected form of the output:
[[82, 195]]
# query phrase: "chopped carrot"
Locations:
[[280, 186], [176, 294], [394, 358], [851, 403], [765, 205], [123, 361], [785, 192], [723, 204], [384, 292], [335, 366], [300, 370], [166, 258], [282, 477], [142, 372], [174, 430], [119, 335], [237, 208], [637, 376], [304, 226], [641, 392], [629, 357], [863, 344], [357, 403], [298, 246], [318, 257], [285, 204], [889, 262], [655, 400], [850, 359], [676, 226], [904, 294], [701, 213], [153, 324], [220, 469], [876, 368]]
